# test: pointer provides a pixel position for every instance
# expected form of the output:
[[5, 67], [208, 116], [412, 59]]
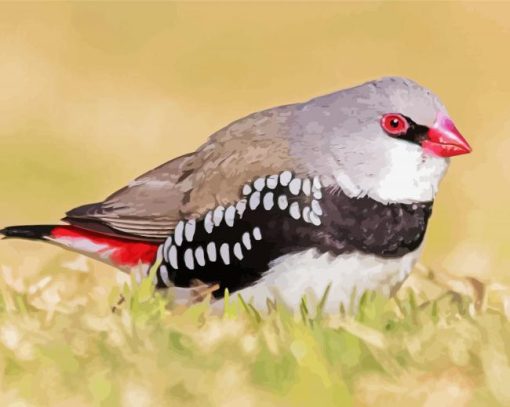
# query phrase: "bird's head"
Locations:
[[390, 139], [411, 113]]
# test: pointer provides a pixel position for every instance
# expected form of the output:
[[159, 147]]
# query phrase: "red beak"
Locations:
[[444, 140]]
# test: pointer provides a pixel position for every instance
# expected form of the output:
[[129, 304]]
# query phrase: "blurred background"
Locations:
[[92, 95]]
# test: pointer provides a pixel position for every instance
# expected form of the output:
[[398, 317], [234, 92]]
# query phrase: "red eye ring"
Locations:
[[394, 124]]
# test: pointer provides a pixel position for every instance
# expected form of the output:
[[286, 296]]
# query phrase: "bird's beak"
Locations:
[[444, 140]]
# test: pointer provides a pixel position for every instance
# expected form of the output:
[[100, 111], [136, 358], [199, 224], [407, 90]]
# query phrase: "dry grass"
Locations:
[[66, 340], [93, 94]]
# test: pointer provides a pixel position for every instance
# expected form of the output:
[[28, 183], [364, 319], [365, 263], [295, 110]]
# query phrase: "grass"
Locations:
[[65, 340]]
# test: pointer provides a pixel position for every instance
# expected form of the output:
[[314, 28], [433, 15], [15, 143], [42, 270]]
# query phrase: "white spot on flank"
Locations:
[[208, 223], [189, 230], [199, 255], [254, 200], [211, 251], [238, 251], [230, 214], [285, 178], [315, 219], [224, 253], [316, 207], [316, 183], [294, 210], [246, 190], [178, 233], [295, 186], [188, 259], [283, 202], [317, 194], [268, 201], [259, 184], [163, 273], [241, 207], [246, 240], [257, 234], [306, 214], [218, 215], [166, 247], [272, 181], [307, 187], [173, 257]]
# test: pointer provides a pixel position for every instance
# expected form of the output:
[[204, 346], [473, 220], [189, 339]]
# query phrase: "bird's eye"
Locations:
[[394, 124]]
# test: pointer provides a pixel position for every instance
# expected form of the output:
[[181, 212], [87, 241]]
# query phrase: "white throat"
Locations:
[[406, 176]]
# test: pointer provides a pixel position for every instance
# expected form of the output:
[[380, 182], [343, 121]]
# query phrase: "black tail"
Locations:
[[34, 232]]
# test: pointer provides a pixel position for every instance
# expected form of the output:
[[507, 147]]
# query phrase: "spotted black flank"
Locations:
[[281, 214]]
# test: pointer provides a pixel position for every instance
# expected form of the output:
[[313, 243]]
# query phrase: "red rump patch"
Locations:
[[118, 251]]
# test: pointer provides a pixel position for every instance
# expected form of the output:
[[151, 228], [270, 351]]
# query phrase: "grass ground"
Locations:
[[65, 340], [95, 93]]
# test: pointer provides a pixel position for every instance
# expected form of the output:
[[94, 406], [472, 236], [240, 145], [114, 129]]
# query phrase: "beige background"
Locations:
[[91, 95]]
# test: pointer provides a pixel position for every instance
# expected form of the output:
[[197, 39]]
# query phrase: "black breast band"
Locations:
[[233, 246]]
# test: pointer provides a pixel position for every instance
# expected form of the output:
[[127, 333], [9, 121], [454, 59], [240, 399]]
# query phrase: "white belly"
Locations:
[[309, 273]]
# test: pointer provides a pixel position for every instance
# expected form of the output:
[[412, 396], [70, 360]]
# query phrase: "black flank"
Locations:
[[347, 225]]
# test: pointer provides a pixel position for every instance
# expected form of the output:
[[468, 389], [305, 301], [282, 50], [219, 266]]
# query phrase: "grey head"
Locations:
[[347, 137]]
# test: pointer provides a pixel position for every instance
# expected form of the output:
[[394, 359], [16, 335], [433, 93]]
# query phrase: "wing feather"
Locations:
[[187, 187]]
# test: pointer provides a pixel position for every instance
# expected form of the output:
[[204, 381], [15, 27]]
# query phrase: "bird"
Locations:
[[332, 195]]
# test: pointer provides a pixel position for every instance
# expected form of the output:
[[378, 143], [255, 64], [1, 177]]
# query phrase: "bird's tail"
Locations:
[[120, 252], [33, 232]]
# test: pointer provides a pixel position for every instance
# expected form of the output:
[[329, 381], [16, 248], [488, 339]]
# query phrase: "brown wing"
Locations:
[[146, 208], [188, 186]]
